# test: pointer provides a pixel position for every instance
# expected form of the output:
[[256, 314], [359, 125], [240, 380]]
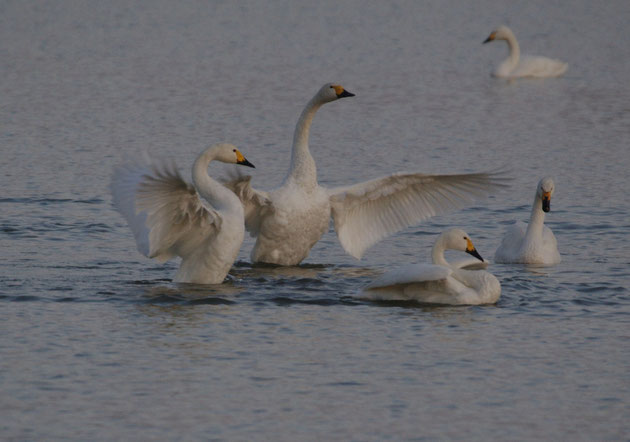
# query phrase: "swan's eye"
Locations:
[[233, 150], [332, 87]]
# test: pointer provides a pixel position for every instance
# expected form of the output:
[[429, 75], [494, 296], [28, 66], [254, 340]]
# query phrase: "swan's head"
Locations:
[[500, 33], [228, 153], [457, 239], [544, 191], [331, 92]]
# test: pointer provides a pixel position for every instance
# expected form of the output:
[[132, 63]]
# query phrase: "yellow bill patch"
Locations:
[[338, 89], [239, 156], [546, 195], [469, 245], [492, 36]]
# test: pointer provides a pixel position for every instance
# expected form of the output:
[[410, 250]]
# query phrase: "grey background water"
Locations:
[[96, 342]]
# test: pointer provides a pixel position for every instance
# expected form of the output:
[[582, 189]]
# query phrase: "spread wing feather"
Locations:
[[165, 213], [367, 212], [256, 203]]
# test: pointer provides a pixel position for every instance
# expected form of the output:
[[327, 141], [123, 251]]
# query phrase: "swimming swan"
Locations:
[[289, 220], [201, 223], [526, 66], [440, 282], [532, 243]]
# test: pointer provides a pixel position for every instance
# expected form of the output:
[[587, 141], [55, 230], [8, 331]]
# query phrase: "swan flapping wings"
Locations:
[[367, 212], [165, 213]]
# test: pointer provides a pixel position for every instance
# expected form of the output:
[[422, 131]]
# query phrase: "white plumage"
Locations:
[[367, 212], [289, 220], [439, 282], [532, 243], [523, 66], [201, 223]]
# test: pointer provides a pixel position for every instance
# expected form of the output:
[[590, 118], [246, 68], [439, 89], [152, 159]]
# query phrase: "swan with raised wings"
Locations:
[[202, 223], [523, 66], [532, 243], [289, 220], [440, 282]]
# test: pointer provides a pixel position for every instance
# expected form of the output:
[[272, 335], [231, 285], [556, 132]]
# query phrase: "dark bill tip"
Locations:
[[546, 205], [246, 163], [345, 93], [487, 40], [476, 254]]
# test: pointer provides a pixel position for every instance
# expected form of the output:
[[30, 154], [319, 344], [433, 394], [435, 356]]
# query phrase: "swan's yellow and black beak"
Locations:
[[546, 201], [240, 159], [341, 92], [490, 38], [471, 250]]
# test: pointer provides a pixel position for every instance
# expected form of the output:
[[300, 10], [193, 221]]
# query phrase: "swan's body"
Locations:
[[440, 282], [201, 223], [532, 243], [523, 66], [289, 220]]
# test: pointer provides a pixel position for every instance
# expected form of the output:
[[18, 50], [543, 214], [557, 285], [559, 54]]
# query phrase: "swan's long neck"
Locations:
[[303, 170], [536, 220], [437, 253], [219, 196], [515, 50]]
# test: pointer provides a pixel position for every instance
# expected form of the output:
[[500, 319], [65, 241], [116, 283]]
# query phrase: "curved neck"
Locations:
[[303, 170], [515, 50], [437, 253], [536, 220], [219, 196]]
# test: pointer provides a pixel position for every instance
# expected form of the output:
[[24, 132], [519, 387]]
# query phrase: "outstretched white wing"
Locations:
[[367, 212], [256, 203], [165, 213]]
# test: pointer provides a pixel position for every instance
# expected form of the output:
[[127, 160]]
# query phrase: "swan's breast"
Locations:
[[298, 221], [504, 70]]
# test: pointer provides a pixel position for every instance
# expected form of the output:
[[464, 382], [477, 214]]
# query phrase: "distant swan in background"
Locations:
[[440, 282], [289, 220], [526, 66], [201, 223], [532, 243]]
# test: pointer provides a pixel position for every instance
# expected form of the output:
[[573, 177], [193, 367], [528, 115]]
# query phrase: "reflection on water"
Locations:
[[304, 271]]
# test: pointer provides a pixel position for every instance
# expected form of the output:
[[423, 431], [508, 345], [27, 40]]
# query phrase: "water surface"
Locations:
[[97, 342]]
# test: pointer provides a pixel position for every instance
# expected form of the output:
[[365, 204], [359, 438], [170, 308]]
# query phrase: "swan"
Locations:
[[440, 282], [526, 66], [201, 223], [289, 220], [532, 243]]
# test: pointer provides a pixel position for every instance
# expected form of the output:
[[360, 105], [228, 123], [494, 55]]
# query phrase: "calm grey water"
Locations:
[[97, 342]]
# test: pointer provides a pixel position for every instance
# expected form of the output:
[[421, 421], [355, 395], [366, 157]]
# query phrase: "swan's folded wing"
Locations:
[[256, 203], [368, 212], [469, 264], [537, 66], [165, 213], [415, 273], [510, 246]]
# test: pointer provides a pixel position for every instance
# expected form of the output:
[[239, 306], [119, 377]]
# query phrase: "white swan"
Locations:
[[532, 243], [526, 66], [289, 220], [440, 282], [201, 223]]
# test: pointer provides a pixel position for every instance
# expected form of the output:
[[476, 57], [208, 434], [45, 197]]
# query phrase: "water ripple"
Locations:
[[49, 201]]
